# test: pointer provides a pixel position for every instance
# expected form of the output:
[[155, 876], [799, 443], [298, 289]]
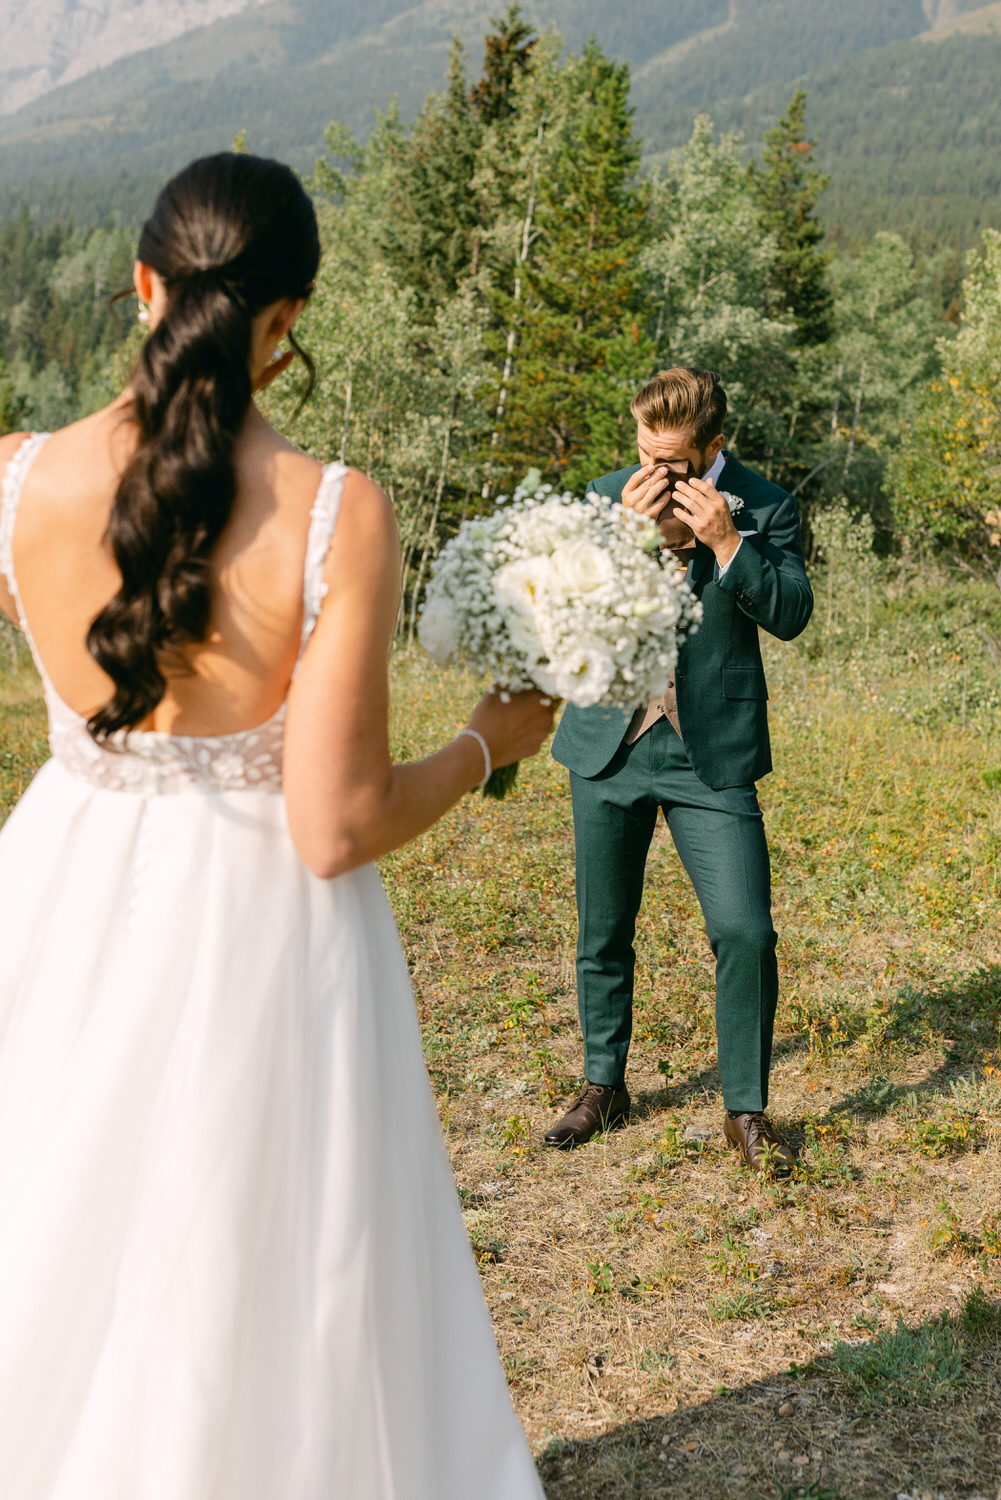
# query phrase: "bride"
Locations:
[[232, 1262]]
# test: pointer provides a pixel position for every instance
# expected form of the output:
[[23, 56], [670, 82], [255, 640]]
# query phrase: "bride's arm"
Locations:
[[347, 802]]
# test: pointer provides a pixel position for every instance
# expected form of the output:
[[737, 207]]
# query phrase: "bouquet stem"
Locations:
[[500, 782]]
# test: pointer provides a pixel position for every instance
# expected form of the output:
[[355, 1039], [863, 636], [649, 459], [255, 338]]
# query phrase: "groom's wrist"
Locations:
[[727, 551]]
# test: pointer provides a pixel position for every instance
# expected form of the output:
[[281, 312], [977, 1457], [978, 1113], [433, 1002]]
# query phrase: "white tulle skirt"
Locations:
[[232, 1261]]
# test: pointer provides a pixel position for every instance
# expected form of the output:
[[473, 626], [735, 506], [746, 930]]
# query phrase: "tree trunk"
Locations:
[[433, 525], [522, 257], [839, 372], [855, 415]]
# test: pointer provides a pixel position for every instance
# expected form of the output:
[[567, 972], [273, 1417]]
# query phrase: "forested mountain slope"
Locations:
[[910, 131]]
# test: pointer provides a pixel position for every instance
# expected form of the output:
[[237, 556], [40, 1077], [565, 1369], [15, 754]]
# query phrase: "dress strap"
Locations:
[[15, 474], [322, 520]]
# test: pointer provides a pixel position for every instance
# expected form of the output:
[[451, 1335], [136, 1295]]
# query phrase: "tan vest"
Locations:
[[665, 707]]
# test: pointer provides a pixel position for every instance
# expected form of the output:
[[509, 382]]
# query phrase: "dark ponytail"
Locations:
[[229, 235]]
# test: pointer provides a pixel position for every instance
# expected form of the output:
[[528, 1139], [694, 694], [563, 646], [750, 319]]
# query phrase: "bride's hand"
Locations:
[[514, 730]]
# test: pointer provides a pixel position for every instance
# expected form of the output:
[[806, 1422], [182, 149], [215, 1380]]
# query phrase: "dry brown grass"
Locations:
[[650, 1296], [671, 1324]]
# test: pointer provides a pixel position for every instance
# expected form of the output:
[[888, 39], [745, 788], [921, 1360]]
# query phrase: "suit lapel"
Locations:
[[699, 565]]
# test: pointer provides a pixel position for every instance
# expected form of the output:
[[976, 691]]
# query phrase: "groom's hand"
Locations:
[[647, 491], [700, 503]]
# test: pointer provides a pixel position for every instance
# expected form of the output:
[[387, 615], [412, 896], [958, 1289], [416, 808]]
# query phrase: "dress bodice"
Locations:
[[149, 761]]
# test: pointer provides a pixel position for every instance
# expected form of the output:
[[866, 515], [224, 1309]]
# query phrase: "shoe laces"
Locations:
[[591, 1091], [759, 1128]]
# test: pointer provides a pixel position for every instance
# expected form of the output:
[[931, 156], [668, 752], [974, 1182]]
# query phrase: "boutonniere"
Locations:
[[734, 501]]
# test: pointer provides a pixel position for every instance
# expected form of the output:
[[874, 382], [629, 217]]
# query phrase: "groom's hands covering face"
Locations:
[[650, 492], [699, 503], [665, 489]]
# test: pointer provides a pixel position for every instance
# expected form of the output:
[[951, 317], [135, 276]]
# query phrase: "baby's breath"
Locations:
[[572, 596]]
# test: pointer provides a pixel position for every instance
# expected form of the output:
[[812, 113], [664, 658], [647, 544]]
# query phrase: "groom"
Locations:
[[696, 754]]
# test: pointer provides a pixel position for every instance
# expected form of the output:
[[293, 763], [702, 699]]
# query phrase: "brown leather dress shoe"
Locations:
[[754, 1137], [597, 1107]]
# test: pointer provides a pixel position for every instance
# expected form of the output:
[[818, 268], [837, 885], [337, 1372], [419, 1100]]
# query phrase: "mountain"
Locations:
[[53, 42], [902, 93]]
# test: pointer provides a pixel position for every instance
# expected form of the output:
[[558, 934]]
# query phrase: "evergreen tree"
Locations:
[[787, 185], [13, 408], [569, 340], [507, 54], [431, 234]]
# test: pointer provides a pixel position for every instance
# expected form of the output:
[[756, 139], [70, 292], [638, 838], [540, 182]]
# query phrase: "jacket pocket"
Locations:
[[744, 682]]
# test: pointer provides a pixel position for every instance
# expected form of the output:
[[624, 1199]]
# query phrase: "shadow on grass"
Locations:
[[913, 1016], [911, 1410]]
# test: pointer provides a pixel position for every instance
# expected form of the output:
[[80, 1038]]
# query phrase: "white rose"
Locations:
[[519, 584], [581, 566], [583, 675], [438, 630]]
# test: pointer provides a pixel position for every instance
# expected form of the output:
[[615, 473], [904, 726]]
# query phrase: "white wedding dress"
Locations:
[[232, 1260]]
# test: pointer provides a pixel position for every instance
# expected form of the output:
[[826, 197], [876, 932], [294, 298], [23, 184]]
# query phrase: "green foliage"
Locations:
[[566, 333], [431, 233], [946, 480], [739, 1306], [904, 1366], [57, 330], [980, 1317], [787, 185], [507, 54], [712, 295]]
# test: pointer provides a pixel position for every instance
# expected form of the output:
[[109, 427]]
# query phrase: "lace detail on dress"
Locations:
[[147, 761], [10, 495], [140, 760], [322, 520]]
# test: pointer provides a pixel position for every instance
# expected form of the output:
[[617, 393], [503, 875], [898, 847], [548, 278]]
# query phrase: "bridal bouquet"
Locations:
[[566, 595]]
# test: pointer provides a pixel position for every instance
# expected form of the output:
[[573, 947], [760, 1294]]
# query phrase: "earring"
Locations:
[[143, 313]]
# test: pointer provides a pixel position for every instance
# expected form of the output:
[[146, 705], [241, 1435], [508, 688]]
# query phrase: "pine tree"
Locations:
[[787, 185], [569, 335], [430, 234], [507, 55], [13, 408]]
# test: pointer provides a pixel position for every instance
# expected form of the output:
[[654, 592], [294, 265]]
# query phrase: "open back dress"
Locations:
[[232, 1260]]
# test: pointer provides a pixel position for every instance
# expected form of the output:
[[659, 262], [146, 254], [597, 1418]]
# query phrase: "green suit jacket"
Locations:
[[720, 682]]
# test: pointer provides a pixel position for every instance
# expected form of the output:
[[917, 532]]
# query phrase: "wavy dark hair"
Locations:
[[229, 235]]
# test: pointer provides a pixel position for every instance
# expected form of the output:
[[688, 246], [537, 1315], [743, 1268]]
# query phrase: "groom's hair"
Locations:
[[684, 400]]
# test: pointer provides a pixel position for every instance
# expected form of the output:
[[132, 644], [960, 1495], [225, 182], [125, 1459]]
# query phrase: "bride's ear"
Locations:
[[282, 315], [142, 280]]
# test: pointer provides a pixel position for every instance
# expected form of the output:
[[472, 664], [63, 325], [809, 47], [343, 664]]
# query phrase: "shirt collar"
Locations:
[[718, 465]]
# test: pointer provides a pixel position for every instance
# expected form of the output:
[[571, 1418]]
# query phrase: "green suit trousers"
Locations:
[[720, 838]]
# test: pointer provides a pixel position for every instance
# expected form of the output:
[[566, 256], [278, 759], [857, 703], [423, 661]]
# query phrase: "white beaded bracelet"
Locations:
[[474, 734]]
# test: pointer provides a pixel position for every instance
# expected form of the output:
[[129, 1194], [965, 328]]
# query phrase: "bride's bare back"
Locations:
[[347, 802], [240, 675]]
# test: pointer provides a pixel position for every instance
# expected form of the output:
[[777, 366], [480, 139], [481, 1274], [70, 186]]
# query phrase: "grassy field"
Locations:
[[671, 1325]]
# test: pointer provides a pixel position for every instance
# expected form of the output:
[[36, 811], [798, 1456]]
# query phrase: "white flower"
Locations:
[[438, 630], [584, 675], [581, 565], [523, 633], [520, 584], [733, 501]]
